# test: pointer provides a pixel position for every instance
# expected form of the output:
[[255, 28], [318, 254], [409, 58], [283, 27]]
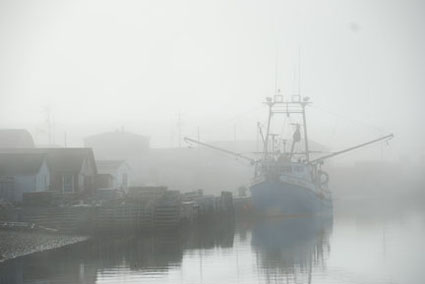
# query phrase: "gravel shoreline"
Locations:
[[19, 243]]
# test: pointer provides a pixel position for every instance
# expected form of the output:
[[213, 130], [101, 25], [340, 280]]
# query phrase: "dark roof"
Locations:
[[15, 138], [108, 166], [68, 159], [15, 164], [60, 159]]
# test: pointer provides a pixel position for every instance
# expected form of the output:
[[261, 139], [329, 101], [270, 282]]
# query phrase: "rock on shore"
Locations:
[[17, 243]]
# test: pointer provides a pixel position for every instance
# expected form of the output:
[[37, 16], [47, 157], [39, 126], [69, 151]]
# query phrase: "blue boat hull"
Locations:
[[276, 198]]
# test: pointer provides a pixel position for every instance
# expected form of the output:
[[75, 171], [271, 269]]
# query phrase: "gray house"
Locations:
[[72, 170], [21, 173]]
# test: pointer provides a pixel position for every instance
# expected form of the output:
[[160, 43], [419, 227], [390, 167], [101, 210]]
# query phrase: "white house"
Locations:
[[118, 169], [21, 173]]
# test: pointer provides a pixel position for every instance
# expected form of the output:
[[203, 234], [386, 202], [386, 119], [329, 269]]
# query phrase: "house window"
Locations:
[[68, 183]]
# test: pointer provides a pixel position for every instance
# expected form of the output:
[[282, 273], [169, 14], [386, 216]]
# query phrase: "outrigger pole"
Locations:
[[252, 161], [318, 160]]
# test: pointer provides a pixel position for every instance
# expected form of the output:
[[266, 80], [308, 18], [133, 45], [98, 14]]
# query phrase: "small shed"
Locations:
[[118, 169]]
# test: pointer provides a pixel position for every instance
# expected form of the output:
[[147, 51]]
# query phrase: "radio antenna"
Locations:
[[299, 71], [276, 67]]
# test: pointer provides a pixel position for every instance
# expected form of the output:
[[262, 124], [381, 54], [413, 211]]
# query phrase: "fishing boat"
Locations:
[[286, 182], [289, 183]]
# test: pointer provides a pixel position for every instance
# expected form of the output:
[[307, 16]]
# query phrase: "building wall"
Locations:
[[119, 177], [81, 181], [23, 184], [6, 188], [86, 176], [31, 183], [42, 179], [104, 181], [57, 181], [88, 169]]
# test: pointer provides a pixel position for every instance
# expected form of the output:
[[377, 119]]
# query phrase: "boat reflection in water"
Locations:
[[284, 250], [290, 248]]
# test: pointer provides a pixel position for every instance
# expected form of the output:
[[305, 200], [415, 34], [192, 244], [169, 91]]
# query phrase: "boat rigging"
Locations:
[[289, 183]]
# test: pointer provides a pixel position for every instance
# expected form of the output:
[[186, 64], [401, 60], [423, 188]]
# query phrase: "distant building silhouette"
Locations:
[[118, 145], [15, 138]]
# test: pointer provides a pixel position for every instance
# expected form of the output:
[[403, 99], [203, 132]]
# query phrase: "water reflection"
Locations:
[[111, 258], [375, 244], [290, 248]]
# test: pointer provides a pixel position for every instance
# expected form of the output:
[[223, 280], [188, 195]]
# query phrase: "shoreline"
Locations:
[[15, 244]]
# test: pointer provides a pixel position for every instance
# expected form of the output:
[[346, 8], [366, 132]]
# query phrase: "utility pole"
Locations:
[[48, 124], [179, 128]]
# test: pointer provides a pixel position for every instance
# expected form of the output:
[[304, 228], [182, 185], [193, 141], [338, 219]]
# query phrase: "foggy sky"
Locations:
[[101, 65]]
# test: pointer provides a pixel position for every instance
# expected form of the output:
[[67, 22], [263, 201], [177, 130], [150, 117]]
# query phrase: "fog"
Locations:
[[97, 99], [169, 69]]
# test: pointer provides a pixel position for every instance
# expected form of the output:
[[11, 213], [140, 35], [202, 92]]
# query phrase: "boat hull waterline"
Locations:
[[279, 198]]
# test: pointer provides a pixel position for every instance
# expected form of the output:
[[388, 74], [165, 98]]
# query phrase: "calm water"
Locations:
[[359, 245]]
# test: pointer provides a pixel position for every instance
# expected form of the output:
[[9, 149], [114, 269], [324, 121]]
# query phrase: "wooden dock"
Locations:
[[142, 211]]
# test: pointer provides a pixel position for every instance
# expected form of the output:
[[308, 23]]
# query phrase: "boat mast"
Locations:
[[269, 102], [307, 152]]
